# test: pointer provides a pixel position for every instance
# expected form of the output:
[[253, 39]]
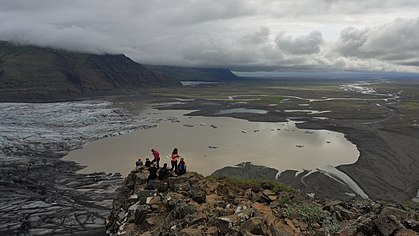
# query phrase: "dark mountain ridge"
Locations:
[[30, 73], [195, 74]]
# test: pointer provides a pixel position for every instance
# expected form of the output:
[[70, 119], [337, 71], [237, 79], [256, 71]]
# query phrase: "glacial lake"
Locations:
[[211, 143]]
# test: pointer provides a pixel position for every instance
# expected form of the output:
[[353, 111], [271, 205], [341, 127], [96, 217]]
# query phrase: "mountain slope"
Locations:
[[195, 74], [30, 73], [195, 205]]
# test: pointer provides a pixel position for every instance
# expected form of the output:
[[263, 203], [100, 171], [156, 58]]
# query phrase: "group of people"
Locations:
[[179, 168]]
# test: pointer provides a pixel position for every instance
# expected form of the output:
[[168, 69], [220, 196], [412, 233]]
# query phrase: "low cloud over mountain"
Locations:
[[239, 34]]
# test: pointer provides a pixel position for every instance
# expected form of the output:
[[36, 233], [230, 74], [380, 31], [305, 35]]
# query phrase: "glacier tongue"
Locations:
[[64, 126], [330, 170]]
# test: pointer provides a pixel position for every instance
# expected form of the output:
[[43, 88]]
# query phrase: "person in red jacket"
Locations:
[[156, 159], [175, 156]]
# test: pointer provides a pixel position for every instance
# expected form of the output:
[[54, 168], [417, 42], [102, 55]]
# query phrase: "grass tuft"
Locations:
[[307, 213], [273, 185]]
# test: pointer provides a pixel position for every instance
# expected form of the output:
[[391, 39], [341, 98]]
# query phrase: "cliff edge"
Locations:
[[196, 205]]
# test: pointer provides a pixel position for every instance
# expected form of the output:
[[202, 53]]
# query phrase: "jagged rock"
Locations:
[[191, 232], [376, 208], [411, 224], [195, 205], [180, 183], [223, 225], [341, 213], [268, 192], [253, 226], [180, 211], [365, 225], [406, 232], [399, 213], [277, 232], [137, 214], [331, 204], [387, 225], [346, 232], [153, 200], [265, 212], [212, 231], [291, 224], [198, 195], [143, 195]]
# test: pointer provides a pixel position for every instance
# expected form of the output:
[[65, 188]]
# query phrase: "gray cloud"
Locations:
[[394, 42], [240, 34], [306, 44]]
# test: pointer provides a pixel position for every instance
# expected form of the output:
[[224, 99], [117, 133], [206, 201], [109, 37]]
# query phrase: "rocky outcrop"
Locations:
[[197, 205], [30, 73]]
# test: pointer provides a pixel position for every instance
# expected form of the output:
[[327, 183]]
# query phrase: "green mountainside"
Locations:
[[195, 74], [30, 73]]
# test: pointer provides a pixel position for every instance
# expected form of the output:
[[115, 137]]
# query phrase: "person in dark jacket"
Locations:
[[147, 163], [164, 172], [153, 172], [181, 167], [139, 162]]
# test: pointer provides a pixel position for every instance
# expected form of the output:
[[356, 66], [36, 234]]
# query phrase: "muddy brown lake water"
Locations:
[[210, 143]]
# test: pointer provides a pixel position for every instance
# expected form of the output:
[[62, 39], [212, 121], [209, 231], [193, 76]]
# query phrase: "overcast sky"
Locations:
[[244, 35]]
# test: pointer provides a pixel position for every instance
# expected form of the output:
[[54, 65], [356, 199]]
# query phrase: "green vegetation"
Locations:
[[411, 206], [259, 100], [308, 213], [267, 100], [273, 185]]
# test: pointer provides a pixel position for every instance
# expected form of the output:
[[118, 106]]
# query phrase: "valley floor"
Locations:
[[42, 194]]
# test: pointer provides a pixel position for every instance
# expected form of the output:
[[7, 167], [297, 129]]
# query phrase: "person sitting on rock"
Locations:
[[153, 172], [147, 162], [175, 156], [181, 167], [139, 162], [164, 172], [156, 159]]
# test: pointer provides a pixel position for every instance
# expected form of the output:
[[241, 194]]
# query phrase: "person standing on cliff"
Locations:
[[156, 159], [175, 156]]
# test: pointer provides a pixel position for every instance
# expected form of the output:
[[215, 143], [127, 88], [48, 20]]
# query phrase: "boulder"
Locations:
[[191, 232], [180, 211], [406, 232], [180, 183], [277, 232], [341, 213], [212, 231], [253, 226], [265, 212], [399, 213], [142, 195], [198, 195], [387, 225], [411, 224], [137, 214]]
